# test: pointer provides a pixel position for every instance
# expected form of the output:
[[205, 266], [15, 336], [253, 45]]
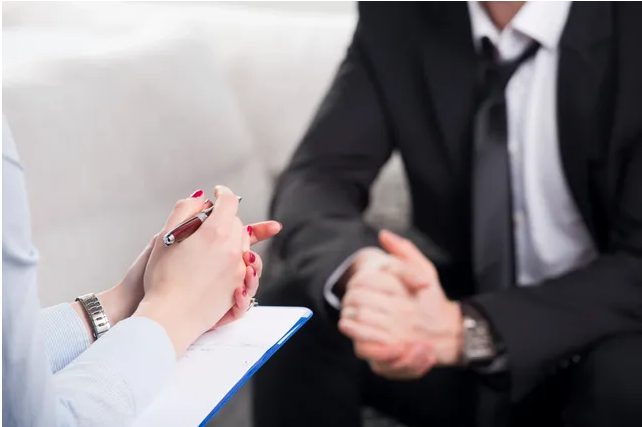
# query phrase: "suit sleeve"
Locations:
[[544, 324], [321, 196]]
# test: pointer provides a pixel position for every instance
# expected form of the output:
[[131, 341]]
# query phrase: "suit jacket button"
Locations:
[[575, 359], [564, 364]]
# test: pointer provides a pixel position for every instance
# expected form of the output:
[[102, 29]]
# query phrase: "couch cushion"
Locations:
[[110, 139], [280, 65]]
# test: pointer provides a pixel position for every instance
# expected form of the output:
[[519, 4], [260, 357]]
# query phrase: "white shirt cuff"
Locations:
[[328, 289]]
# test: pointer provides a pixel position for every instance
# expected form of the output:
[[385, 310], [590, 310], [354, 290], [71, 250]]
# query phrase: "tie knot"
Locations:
[[495, 75]]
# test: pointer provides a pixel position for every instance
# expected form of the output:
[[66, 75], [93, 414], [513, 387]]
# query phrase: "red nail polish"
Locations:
[[252, 257], [249, 230], [254, 271], [197, 193], [244, 293]]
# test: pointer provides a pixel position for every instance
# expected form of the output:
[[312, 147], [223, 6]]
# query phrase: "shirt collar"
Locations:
[[541, 21]]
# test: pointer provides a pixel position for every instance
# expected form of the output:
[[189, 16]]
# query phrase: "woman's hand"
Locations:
[[121, 301], [257, 233], [190, 287]]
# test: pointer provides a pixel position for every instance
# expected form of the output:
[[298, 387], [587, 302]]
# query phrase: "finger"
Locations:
[[383, 369], [225, 210], [368, 316], [380, 281], [365, 297], [238, 310], [400, 247], [253, 259], [263, 231], [374, 350], [359, 332], [251, 281], [407, 275], [247, 239], [183, 209], [407, 251], [242, 302], [415, 362]]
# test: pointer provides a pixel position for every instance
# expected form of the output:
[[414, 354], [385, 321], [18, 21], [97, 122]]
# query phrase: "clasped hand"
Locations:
[[396, 313], [204, 282]]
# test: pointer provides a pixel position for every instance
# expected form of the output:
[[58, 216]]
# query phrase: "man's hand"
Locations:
[[398, 315], [380, 315]]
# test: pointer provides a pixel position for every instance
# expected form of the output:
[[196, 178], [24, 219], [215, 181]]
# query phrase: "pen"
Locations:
[[188, 227]]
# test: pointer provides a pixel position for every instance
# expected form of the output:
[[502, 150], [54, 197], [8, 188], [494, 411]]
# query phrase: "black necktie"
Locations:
[[493, 245]]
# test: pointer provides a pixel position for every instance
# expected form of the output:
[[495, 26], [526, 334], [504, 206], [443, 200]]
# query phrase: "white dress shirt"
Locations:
[[107, 384], [551, 238]]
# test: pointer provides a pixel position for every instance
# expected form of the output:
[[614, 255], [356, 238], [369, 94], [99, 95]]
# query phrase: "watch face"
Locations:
[[478, 342]]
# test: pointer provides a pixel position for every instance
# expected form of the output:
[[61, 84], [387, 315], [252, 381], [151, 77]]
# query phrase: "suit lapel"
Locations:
[[450, 66], [583, 116]]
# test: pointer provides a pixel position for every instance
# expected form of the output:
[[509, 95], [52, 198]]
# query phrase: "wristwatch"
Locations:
[[97, 317], [482, 348]]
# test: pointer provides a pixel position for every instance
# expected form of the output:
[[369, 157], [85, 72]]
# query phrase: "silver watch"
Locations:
[[97, 317], [479, 345]]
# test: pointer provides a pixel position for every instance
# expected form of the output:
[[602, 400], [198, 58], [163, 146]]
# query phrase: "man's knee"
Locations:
[[608, 388]]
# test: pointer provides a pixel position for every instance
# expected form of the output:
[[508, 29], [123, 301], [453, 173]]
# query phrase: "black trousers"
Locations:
[[316, 380]]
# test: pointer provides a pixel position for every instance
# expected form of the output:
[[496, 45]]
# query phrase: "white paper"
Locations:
[[214, 364]]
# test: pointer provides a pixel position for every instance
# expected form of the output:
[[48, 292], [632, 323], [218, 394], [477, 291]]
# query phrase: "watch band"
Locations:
[[97, 317], [481, 347]]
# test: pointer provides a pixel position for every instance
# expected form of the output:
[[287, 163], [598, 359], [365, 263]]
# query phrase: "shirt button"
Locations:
[[512, 151]]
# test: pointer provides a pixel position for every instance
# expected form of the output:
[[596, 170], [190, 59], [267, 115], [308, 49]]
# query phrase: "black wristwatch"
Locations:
[[483, 349]]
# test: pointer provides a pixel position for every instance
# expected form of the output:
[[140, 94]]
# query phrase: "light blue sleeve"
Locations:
[[109, 384], [65, 335]]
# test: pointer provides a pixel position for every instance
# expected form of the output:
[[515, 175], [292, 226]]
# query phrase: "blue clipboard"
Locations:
[[256, 367]]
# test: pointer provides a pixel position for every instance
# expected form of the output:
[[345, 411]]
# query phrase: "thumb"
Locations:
[[400, 247], [183, 209], [405, 250]]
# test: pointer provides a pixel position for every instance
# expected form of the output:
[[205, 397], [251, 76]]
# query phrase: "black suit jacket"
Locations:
[[408, 84]]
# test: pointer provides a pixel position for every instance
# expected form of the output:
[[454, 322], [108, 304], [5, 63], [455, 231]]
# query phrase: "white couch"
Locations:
[[120, 109]]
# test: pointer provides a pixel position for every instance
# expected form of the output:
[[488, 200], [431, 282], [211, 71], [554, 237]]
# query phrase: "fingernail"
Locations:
[[252, 257], [254, 271], [197, 193], [249, 231], [244, 293]]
